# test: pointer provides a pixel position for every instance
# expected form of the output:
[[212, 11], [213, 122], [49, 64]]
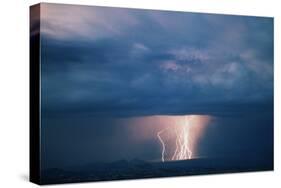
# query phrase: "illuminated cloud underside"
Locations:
[[178, 135]]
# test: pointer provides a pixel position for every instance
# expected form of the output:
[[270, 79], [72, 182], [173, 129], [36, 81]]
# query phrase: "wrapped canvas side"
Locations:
[[34, 163]]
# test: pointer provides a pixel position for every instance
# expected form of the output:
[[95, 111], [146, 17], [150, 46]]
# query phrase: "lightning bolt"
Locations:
[[162, 143], [182, 150]]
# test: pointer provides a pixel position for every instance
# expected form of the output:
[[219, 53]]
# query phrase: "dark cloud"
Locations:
[[122, 73]]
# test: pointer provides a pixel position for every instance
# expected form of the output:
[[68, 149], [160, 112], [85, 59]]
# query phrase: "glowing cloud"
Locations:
[[178, 136]]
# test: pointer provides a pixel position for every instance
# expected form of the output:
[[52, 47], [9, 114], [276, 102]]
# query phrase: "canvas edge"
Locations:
[[34, 95]]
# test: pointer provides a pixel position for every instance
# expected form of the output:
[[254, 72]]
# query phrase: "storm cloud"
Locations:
[[123, 61]]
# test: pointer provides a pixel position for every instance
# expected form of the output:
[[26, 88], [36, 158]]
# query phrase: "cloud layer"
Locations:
[[125, 62]]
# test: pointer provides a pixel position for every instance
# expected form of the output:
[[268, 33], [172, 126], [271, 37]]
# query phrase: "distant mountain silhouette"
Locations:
[[136, 168]]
